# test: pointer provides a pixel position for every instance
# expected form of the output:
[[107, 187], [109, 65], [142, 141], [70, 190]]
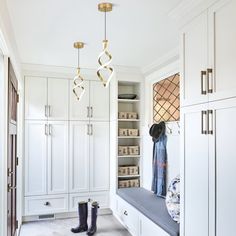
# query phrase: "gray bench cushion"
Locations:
[[152, 206]]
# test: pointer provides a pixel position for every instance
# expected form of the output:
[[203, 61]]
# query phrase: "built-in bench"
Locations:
[[152, 206]]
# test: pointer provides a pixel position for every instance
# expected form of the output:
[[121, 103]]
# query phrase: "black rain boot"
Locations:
[[93, 229], [83, 216]]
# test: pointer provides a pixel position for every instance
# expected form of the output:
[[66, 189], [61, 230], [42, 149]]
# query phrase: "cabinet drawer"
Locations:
[[46, 205], [101, 197], [129, 216]]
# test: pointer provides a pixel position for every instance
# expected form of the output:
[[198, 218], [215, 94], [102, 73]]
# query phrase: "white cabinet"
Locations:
[[35, 158], [99, 156], [46, 154], [209, 55], [58, 99], [222, 51], [57, 157], [195, 153], [35, 98], [99, 101], [79, 156], [79, 110], [194, 61], [46, 98], [223, 164], [94, 104], [89, 156]]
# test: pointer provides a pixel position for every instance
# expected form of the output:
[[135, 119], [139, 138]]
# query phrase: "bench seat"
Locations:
[[152, 206]]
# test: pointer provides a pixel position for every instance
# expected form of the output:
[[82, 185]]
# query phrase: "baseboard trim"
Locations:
[[104, 211]]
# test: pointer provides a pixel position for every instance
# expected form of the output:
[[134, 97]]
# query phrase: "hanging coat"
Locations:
[[159, 165]]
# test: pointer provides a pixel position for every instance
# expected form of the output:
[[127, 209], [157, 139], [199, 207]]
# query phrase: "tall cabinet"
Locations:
[[208, 110], [66, 145]]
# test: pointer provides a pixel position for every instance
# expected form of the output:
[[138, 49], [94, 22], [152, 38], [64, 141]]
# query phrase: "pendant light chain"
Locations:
[[105, 32]]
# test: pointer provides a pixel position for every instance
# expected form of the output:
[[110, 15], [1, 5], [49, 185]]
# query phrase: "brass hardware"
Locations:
[[91, 109], [105, 7], [10, 187], [46, 129], [45, 111], [9, 172], [203, 74], [78, 45], [209, 80], [49, 111], [88, 133], [91, 129], [125, 213], [88, 114], [203, 122], [50, 129], [47, 204], [17, 161], [210, 122]]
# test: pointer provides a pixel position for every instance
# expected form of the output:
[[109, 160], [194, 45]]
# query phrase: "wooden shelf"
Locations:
[[130, 156], [128, 176], [129, 120], [128, 100], [129, 137]]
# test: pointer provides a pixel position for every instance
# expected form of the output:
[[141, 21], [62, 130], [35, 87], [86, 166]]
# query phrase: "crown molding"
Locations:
[[188, 9], [170, 57], [69, 72]]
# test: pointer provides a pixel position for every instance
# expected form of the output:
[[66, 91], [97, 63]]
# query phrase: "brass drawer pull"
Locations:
[[203, 83]]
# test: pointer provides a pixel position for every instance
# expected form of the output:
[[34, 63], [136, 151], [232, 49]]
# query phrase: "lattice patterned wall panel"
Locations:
[[166, 100]]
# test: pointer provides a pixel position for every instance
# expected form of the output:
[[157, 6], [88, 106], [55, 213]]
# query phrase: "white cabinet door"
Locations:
[[195, 153], [35, 158], [223, 158], [58, 157], [99, 156], [35, 98], [222, 49], [99, 101], [79, 110], [58, 99], [79, 156], [194, 55]]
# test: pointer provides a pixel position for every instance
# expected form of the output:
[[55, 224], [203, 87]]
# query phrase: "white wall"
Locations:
[[173, 143]]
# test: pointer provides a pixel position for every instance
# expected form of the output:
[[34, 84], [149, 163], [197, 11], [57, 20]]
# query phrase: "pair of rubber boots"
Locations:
[[83, 216]]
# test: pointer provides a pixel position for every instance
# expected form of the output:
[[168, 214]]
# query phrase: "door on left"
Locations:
[[12, 152]]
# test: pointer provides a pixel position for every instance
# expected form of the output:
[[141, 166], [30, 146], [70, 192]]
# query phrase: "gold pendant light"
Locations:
[[105, 58], [78, 88]]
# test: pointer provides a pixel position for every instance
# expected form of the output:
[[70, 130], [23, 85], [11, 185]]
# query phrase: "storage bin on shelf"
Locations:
[[123, 150], [132, 115], [131, 183], [133, 150], [123, 132], [128, 170], [122, 115], [132, 132]]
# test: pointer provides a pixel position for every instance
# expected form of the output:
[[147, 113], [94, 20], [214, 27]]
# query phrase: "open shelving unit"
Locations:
[[129, 105]]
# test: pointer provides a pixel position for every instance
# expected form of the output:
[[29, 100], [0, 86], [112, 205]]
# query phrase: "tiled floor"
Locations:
[[107, 226]]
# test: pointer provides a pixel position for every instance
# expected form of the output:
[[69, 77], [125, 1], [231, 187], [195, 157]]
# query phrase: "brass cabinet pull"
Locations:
[[125, 213], [88, 133], [209, 80], [10, 187], [9, 172], [203, 82], [204, 123], [210, 122], [91, 129], [50, 129], [91, 114], [49, 111], [88, 113], [46, 129], [47, 204], [46, 111]]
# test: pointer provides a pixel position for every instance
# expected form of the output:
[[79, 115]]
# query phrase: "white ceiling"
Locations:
[[139, 31]]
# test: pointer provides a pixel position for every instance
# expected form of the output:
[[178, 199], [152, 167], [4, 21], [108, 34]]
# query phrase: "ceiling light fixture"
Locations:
[[105, 58], [78, 88]]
